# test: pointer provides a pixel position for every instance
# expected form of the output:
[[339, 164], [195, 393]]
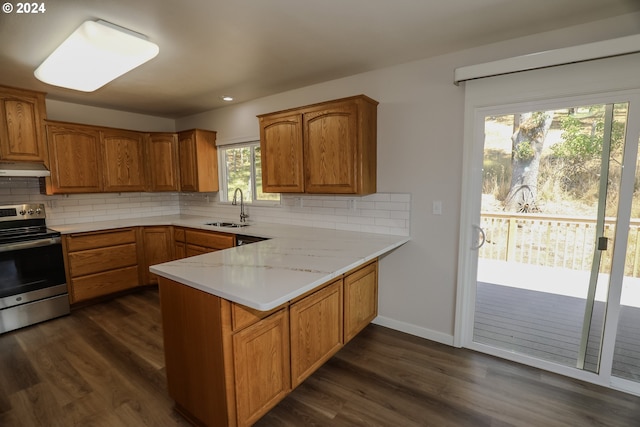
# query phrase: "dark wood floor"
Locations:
[[103, 366]]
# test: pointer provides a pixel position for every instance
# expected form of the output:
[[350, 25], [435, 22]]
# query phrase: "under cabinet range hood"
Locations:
[[20, 169]]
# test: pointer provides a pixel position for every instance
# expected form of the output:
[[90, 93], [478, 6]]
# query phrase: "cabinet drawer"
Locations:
[[181, 250], [193, 250], [79, 242], [96, 285], [210, 240], [179, 234], [102, 259]]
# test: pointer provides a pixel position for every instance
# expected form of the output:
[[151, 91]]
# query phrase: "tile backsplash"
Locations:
[[382, 213], [79, 208]]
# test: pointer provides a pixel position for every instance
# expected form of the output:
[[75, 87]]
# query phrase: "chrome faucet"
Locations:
[[243, 216]]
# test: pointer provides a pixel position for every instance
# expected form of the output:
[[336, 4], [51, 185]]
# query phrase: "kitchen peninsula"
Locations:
[[246, 325]]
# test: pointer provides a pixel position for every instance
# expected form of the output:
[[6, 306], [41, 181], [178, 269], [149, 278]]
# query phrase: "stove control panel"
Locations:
[[18, 212]]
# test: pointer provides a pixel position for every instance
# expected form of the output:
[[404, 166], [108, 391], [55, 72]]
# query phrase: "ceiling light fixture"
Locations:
[[95, 54], [226, 98]]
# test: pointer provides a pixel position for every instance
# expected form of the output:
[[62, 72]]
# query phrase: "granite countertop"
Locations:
[[266, 274]]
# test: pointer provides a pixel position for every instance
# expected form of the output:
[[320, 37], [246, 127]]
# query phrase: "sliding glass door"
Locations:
[[557, 256]]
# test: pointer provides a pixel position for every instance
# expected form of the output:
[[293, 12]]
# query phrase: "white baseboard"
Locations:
[[414, 330]]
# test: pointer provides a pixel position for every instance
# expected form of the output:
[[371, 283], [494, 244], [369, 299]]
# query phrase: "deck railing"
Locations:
[[556, 241]]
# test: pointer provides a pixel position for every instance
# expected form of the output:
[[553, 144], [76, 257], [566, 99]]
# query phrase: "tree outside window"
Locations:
[[243, 169]]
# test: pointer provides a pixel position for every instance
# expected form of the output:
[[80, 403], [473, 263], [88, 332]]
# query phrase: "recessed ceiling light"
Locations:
[[95, 54], [226, 98]]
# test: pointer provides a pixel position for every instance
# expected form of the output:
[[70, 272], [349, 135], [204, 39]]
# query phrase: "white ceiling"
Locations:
[[253, 48]]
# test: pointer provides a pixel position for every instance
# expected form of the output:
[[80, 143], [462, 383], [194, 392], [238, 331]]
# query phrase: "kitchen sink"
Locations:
[[226, 224]]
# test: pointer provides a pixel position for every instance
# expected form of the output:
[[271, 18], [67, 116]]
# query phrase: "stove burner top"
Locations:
[[22, 234]]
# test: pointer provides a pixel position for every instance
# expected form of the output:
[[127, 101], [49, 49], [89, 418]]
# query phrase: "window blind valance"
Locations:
[[550, 58]]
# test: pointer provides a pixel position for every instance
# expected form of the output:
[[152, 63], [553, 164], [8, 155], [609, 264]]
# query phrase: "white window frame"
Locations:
[[224, 181]]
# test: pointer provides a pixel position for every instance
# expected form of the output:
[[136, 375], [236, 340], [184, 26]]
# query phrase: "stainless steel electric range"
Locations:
[[33, 287]]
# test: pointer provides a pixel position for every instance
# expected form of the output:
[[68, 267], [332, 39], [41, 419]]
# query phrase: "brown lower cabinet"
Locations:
[[360, 299], [311, 344], [190, 242], [227, 364], [261, 366], [158, 247], [101, 263]]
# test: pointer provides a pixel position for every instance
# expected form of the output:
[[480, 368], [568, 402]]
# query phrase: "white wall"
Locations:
[[420, 140], [75, 113]]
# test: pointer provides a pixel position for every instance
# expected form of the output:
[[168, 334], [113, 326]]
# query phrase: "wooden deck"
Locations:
[[549, 326]]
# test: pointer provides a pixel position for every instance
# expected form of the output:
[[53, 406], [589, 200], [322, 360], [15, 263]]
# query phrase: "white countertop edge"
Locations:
[[266, 230], [282, 299]]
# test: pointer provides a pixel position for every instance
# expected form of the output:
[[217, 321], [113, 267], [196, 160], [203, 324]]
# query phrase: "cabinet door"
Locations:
[[75, 159], [162, 162], [181, 250], [261, 367], [188, 165], [123, 165], [330, 149], [157, 249], [316, 330], [180, 247], [198, 161], [21, 136], [360, 299], [281, 154]]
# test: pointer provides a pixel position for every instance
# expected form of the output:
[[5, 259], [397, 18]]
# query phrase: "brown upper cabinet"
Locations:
[[198, 160], [281, 153], [123, 160], [162, 162], [326, 148], [75, 159], [21, 125], [93, 159]]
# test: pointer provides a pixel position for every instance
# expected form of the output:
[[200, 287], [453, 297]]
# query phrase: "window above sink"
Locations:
[[241, 167]]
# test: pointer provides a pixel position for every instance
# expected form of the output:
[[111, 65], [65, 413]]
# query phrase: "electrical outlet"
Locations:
[[437, 207]]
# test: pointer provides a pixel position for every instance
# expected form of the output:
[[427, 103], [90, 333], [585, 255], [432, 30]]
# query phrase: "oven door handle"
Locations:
[[29, 244]]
